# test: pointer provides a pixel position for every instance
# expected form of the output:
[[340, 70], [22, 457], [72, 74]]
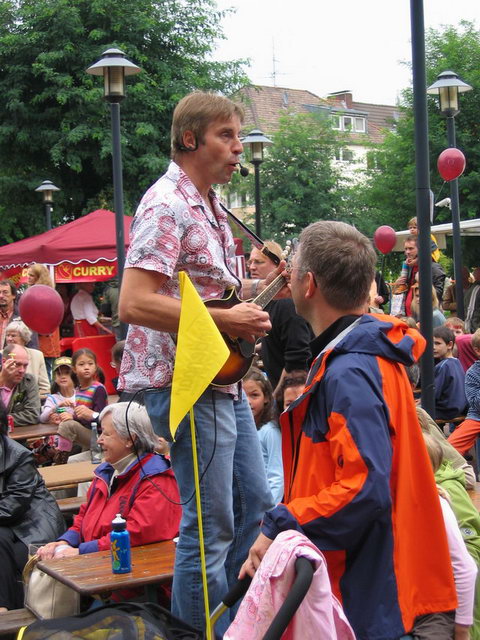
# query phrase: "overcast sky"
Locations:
[[326, 46]]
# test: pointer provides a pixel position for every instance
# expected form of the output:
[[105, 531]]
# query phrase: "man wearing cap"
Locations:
[[19, 389]]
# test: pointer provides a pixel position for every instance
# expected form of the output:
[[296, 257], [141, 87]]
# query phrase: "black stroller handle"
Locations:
[[304, 574], [305, 570], [238, 590]]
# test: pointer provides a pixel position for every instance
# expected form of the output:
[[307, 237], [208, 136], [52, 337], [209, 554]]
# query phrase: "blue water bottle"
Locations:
[[120, 546]]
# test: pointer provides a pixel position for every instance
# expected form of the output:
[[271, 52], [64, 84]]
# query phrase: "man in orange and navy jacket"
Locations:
[[358, 481]]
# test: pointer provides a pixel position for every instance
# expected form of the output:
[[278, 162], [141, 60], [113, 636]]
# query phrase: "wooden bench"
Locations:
[[91, 573], [33, 431], [71, 505], [65, 475], [11, 621]]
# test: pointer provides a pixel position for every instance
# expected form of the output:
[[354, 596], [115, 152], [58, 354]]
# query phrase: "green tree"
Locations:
[[54, 123], [300, 183], [389, 194]]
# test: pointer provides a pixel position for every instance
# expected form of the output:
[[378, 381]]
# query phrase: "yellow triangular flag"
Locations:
[[201, 353]]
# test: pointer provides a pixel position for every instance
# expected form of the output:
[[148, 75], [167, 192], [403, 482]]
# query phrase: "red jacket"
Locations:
[[139, 497]]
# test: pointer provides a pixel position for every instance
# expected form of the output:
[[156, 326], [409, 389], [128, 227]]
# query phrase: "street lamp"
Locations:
[[47, 188], [256, 141], [448, 86], [113, 66]]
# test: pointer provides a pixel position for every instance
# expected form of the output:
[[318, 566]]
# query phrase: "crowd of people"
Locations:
[[323, 436]]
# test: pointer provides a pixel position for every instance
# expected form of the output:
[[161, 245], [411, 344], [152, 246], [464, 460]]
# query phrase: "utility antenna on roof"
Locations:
[[275, 73]]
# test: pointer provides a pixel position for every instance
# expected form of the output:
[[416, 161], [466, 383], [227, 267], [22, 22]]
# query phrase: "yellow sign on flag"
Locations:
[[201, 353]]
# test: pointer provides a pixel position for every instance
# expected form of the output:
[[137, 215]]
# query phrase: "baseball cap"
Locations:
[[63, 361]]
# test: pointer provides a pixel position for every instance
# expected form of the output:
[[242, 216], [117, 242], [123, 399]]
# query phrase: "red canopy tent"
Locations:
[[79, 251]]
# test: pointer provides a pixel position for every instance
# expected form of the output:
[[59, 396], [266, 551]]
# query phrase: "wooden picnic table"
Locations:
[[91, 573], [62, 475], [34, 431]]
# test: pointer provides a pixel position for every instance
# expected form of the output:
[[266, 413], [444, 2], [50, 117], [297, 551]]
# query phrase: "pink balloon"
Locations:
[[451, 163], [41, 308], [384, 238]]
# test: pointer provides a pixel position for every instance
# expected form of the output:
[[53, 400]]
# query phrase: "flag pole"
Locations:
[[200, 525]]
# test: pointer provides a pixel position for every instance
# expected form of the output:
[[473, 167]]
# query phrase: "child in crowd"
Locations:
[[260, 397], [63, 393], [413, 230], [438, 317], [90, 399], [457, 325], [58, 405], [463, 534], [465, 435], [450, 400], [289, 389]]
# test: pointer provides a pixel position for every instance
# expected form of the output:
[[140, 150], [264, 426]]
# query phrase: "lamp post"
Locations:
[[46, 189], [113, 66], [448, 86], [256, 141]]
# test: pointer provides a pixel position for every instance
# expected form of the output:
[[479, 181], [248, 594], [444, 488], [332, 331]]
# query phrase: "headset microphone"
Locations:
[[243, 170]]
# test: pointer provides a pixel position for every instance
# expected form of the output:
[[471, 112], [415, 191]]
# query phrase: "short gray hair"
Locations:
[[341, 259], [413, 374], [138, 424], [21, 328]]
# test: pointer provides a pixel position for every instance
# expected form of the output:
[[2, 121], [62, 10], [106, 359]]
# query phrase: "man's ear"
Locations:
[[189, 141], [311, 285]]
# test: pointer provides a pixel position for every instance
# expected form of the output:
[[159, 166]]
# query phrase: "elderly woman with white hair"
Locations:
[[17, 332], [133, 480]]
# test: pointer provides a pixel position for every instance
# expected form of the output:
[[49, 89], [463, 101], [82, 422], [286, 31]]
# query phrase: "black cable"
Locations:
[[181, 504]]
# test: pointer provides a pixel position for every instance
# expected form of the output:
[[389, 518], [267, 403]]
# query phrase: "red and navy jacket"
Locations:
[[359, 483], [145, 496]]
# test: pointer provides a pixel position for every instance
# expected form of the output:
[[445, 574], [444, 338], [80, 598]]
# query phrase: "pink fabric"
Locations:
[[63, 444], [464, 567], [319, 616], [6, 394]]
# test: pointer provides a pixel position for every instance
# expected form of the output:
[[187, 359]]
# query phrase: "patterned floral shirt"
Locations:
[[174, 230]]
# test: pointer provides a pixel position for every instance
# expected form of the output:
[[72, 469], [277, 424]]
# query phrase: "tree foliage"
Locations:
[[389, 194], [54, 123], [299, 180]]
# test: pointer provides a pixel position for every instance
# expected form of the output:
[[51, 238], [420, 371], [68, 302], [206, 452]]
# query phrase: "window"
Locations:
[[344, 155], [360, 125], [349, 123]]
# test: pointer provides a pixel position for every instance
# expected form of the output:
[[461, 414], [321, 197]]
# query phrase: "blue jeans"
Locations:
[[234, 496]]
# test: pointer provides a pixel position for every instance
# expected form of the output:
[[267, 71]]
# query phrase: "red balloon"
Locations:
[[451, 163], [385, 238], [41, 308]]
